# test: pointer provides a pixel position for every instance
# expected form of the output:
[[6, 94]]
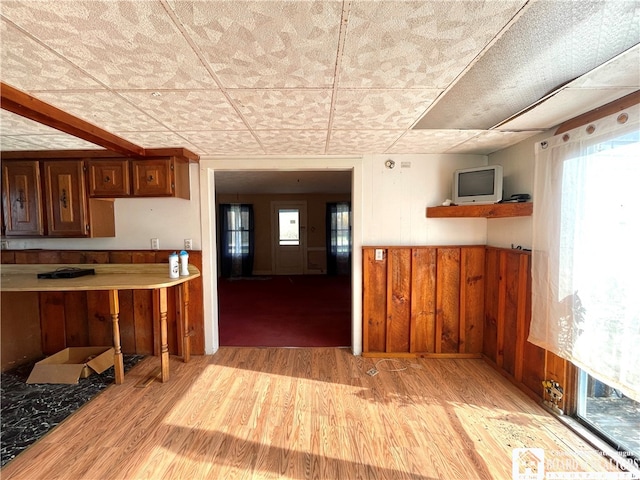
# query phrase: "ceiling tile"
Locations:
[[380, 109], [15, 142], [187, 110], [157, 140], [125, 44], [537, 55], [224, 142], [418, 44], [284, 109], [490, 141], [293, 142], [272, 44], [18, 125], [615, 73], [29, 66], [260, 77], [564, 105], [56, 141], [361, 141], [29, 135], [431, 141], [106, 109]]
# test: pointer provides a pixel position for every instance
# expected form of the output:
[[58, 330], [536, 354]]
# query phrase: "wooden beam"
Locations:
[[600, 112], [30, 107]]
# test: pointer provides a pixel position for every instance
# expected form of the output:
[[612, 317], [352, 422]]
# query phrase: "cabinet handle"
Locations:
[[21, 200], [107, 179], [150, 178], [63, 198]]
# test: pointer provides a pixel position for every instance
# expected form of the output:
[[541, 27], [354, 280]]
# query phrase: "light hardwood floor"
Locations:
[[304, 413]]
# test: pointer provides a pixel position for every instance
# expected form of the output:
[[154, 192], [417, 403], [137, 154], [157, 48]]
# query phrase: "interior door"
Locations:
[[289, 237]]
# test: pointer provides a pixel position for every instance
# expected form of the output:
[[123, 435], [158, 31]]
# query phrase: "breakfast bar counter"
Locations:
[[112, 278]]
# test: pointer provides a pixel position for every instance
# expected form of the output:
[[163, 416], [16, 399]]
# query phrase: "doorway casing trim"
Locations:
[[208, 167]]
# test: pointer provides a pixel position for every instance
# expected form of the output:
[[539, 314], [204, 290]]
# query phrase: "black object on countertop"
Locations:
[[67, 273]]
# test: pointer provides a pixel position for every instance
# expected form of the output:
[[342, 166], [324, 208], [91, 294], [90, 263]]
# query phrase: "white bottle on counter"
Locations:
[[174, 271], [184, 263]]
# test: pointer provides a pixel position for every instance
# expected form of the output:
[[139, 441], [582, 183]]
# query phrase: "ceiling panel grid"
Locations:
[[256, 77]]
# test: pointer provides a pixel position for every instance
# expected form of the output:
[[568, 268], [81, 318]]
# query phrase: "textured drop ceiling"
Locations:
[[305, 77]]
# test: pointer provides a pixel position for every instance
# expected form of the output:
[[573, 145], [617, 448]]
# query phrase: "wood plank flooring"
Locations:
[[264, 413]]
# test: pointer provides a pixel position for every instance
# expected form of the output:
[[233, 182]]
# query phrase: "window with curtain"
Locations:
[[585, 265], [338, 221], [236, 240]]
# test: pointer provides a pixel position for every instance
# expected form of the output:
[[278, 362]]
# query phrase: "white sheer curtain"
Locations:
[[586, 257]]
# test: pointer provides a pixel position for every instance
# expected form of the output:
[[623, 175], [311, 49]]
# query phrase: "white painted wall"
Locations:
[[518, 164], [395, 201], [171, 220]]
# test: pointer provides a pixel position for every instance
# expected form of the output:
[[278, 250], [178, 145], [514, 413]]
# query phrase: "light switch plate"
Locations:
[[379, 254]]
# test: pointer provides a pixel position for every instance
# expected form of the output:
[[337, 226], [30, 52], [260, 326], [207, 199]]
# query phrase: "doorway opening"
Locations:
[[292, 297]]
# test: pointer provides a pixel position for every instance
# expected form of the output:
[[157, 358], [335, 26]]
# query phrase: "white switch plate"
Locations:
[[155, 244], [379, 254]]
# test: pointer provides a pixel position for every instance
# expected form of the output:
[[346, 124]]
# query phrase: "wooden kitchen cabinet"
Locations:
[[161, 177], [21, 199], [48, 198], [163, 173], [66, 202], [70, 213], [109, 178]]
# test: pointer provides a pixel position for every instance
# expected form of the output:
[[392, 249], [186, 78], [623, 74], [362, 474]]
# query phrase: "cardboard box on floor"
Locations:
[[71, 364]]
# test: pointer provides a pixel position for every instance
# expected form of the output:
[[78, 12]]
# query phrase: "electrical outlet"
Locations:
[[4, 244], [188, 244], [155, 244]]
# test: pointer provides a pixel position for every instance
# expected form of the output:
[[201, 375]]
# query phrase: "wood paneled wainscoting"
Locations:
[[458, 301], [506, 328], [423, 301], [82, 318]]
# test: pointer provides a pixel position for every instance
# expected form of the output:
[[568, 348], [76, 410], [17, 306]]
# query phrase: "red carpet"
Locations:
[[285, 311]]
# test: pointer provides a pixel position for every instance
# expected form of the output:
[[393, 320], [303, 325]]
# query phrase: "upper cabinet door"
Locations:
[[22, 199], [153, 177], [65, 198], [109, 178]]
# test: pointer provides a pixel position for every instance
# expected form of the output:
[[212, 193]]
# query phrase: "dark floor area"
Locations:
[[285, 311], [29, 411]]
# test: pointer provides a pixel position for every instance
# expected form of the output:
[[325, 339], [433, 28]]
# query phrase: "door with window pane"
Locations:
[[289, 237]]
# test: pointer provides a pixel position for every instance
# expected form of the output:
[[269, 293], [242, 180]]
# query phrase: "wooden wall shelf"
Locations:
[[494, 210]]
